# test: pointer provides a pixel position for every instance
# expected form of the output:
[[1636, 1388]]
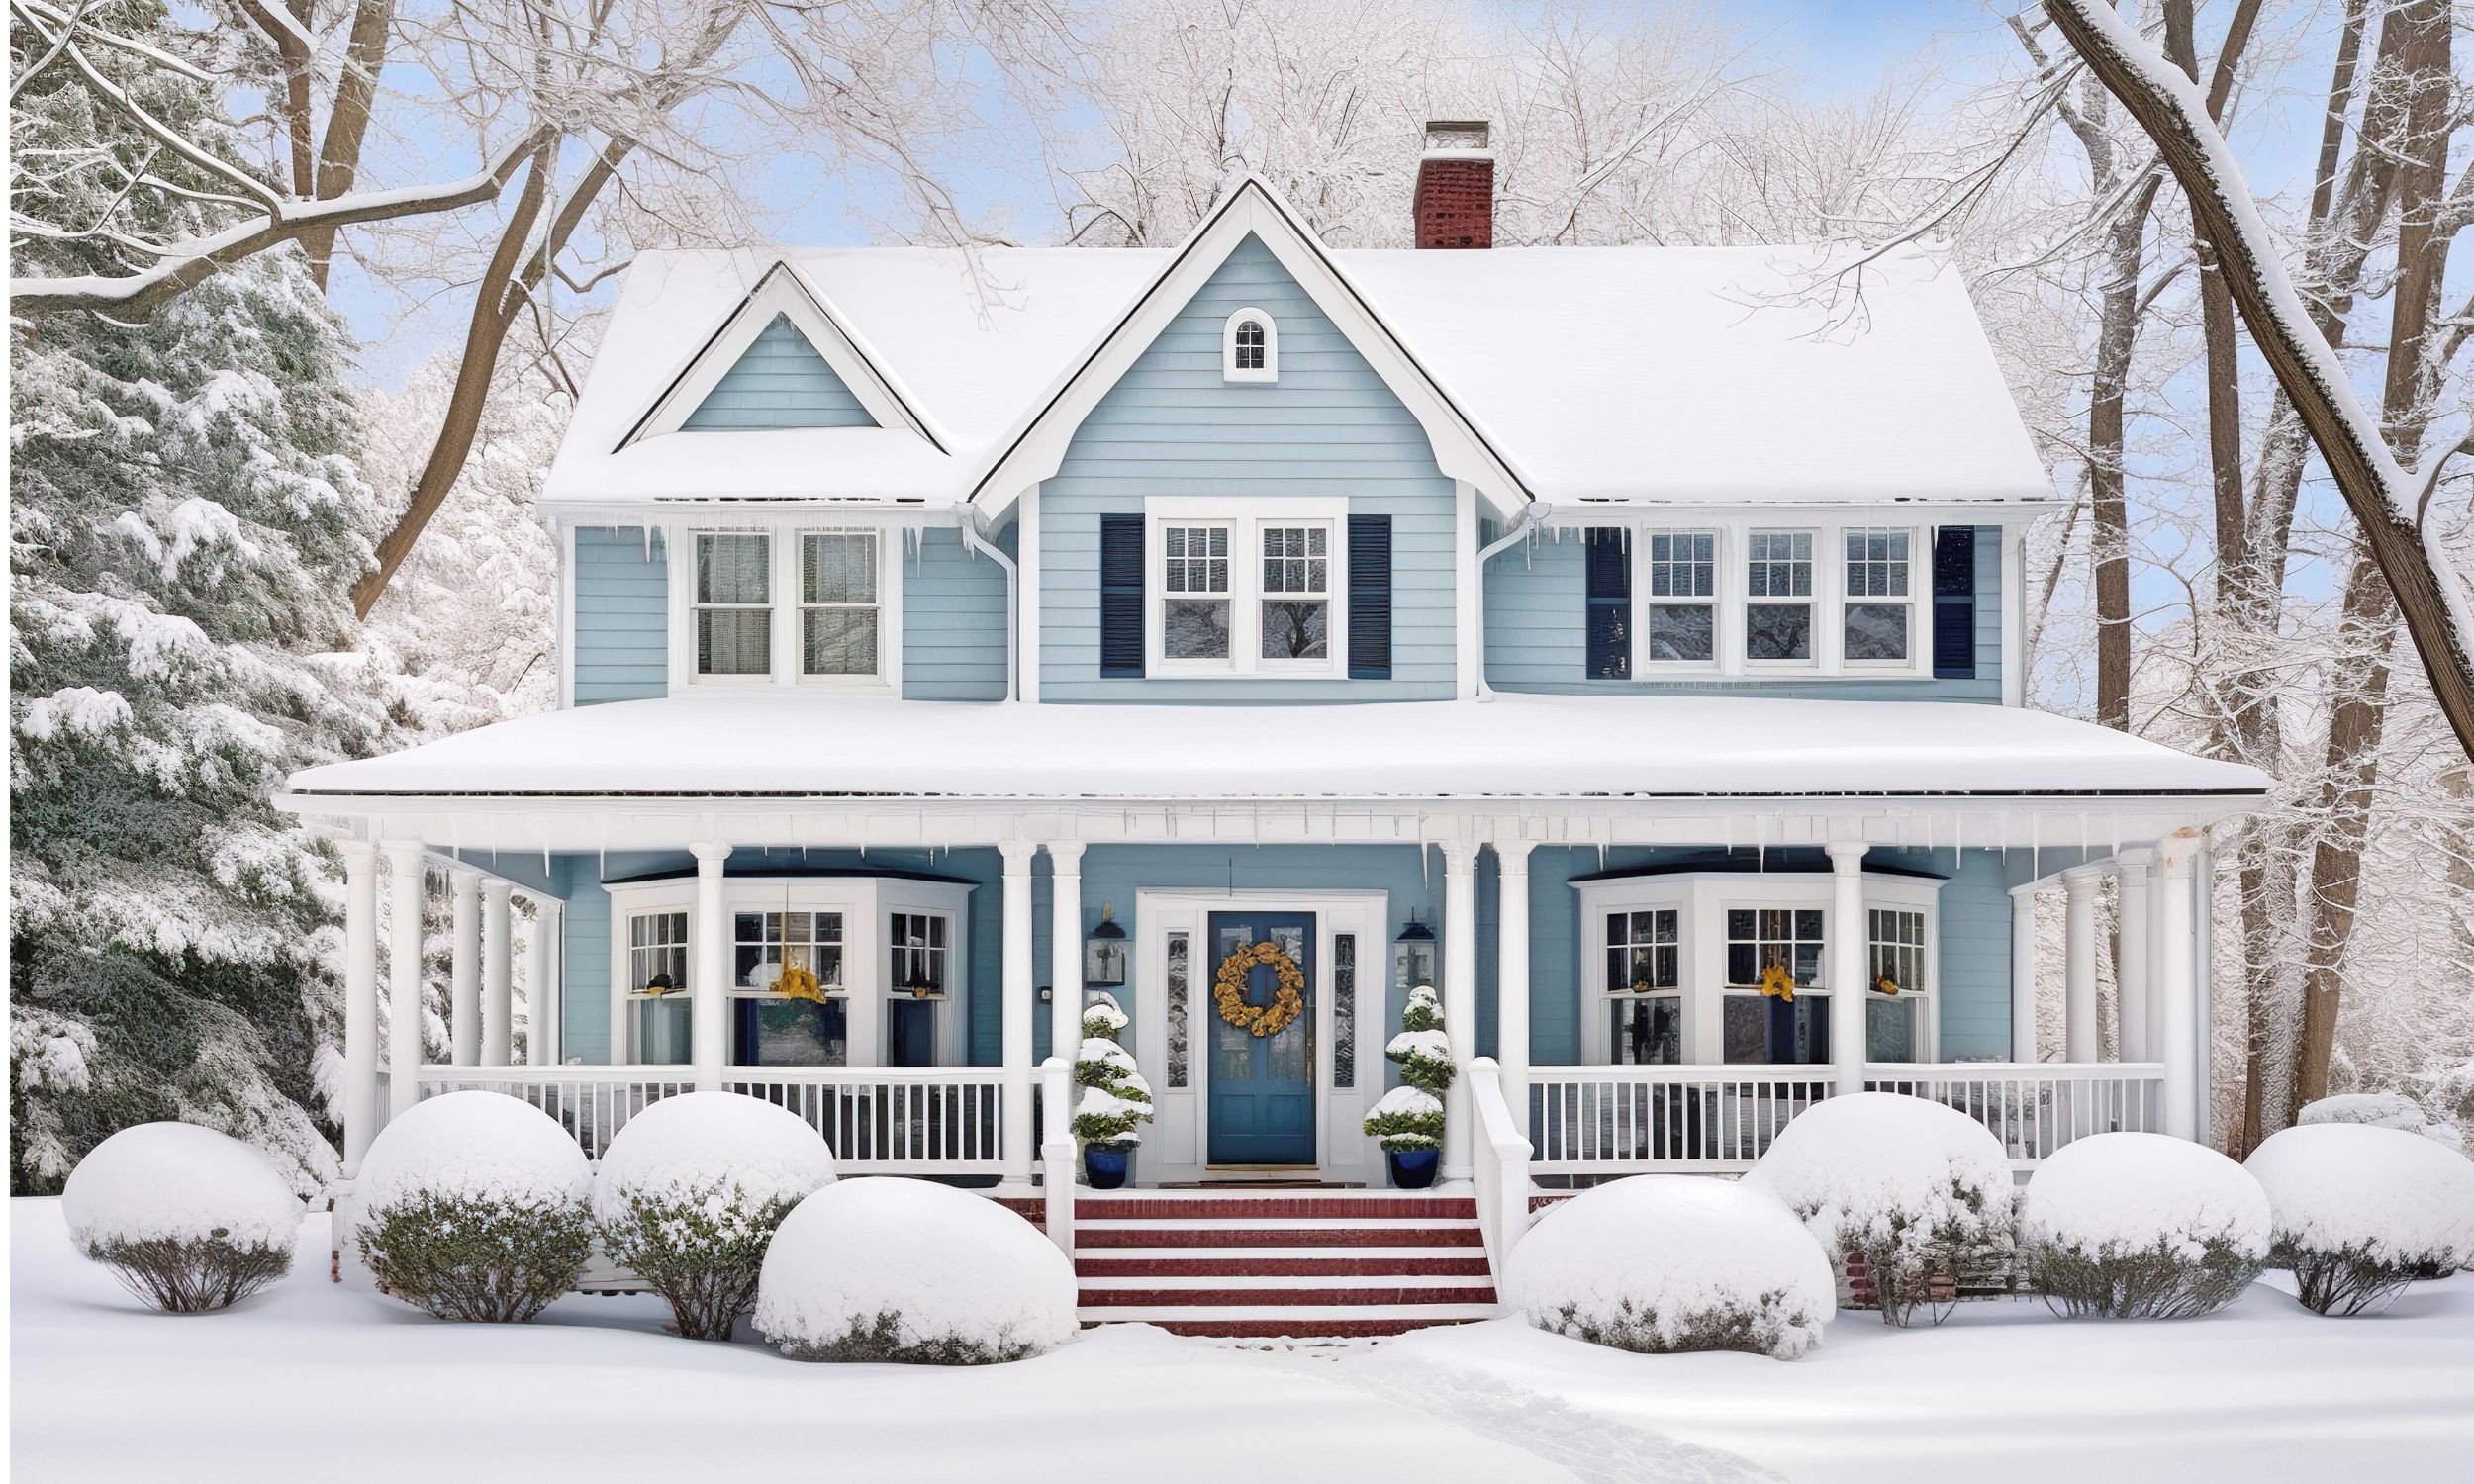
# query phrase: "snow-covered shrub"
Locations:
[[2382, 1110], [1663, 1264], [476, 1205], [1115, 1100], [2360, 1212], [689, 1194], [2142, 1226], [1410, 1116], [1918, 1190], [909, 1271], [190, 1220]]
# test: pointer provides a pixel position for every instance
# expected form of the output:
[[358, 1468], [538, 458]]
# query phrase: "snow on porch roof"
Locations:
[[1508, 747], [1650, 374]]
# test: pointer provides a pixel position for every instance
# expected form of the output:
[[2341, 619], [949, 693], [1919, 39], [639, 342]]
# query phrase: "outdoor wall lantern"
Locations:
[[1413, 955], [1104, 952]]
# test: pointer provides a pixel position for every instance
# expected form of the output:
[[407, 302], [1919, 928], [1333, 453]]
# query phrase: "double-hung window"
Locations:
[[1896, 1004], [837, 603], [917, 944], [1779, 597], [1645, 987], [1764, 1027], [770, 1027], [1297, 593], [733, 604], [1195, 574], [657, 995], [1880, 599], [1680, 624]]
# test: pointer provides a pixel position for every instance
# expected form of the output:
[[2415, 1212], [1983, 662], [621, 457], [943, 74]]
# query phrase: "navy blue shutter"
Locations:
[[1370, 598], [1121, 596], [1609, 564], [1955, 603]]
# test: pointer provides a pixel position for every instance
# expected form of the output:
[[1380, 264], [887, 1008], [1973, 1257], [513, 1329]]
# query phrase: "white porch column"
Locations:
[[2078, 963], [2022, 973], [405, 869], [541, 1002], [360, 1000], [464, 980], [1512, 973], [1845, 933], [498, 974], [1065, 949], [1022, 987], [2177, 987], [708, 970], [1459, 999], [2130, 981]]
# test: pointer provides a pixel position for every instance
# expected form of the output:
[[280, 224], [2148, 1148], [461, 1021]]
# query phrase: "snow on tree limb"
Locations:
[[2382, 494]]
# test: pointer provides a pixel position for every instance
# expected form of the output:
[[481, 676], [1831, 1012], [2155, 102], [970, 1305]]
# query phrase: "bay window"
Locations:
[[1895, 999], [1760, 1026], [915, 985], [1645, 987], [770, 1027]]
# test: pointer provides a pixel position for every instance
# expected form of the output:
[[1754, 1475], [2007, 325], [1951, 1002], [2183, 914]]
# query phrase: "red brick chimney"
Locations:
[[1456, 185]]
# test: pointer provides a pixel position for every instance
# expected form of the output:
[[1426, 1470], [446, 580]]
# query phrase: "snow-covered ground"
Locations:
[[313, 1380]]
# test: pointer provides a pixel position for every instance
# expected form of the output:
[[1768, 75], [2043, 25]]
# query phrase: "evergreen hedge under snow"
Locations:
[[690, 1192], [2359, 1212], [2142, 1226], [476, 1206], [189, 1219], [1918, 1190], [909, 1271], [1663, 1263]]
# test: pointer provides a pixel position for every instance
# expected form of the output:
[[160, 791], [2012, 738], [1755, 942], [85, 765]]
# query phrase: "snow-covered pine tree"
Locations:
[[185, 525]]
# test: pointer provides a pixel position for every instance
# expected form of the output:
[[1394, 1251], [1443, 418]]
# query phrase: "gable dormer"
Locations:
[[779, 381]]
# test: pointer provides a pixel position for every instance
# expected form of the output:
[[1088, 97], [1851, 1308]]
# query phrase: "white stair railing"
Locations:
[[1501, 1166], [1056, 1149]]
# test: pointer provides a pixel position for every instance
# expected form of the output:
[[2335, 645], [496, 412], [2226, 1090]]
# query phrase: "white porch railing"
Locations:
[[591, 1102], [880, 1120], [2037, 1108], [1500, 1165], [1056, 1150], [893, 1120], [1620, 1120]]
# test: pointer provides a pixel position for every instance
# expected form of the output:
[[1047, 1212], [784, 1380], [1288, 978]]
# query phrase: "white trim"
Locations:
[[564, 540], [1178, 1144], [2013, 615], [1269, 371], [1467, 594], [782, 554], [784, 291], [1036, 445], [1245, 519], [1026, 554], [864, 902], [1701, 899]]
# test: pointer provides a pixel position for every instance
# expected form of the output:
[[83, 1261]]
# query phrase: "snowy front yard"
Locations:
[[312, 1379]]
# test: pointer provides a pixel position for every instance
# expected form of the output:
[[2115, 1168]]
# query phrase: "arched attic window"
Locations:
[[1250, 347]]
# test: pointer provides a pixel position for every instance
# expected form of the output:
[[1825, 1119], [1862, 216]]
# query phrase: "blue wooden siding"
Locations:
[[1973, 946], [621, 616], [780, 381], [1171, 426], [583, 999], [953, 619], [1535, 617]]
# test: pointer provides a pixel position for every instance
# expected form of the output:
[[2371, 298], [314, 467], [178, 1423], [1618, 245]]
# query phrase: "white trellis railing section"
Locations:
[[886, 1120], [1614, 1120]]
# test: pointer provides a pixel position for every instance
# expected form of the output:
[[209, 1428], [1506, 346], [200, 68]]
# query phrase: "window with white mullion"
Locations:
[[733, 607], [1295, 605], [1779, 600], [839, 614], [1194, 583], [1896, 1003], [1681, 601], [1877, 613]]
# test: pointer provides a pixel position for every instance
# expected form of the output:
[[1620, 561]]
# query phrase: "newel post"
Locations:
[[1056, 1149]]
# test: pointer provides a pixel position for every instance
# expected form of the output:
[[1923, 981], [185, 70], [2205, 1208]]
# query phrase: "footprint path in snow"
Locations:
[[1594, 1448]]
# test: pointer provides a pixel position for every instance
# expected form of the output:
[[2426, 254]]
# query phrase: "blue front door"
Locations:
[[1262, 1086]]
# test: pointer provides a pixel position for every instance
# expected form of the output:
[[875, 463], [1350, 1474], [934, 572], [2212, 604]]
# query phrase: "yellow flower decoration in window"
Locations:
[[798, 982], [1778, 983], [1887, 984], [1228, 989]]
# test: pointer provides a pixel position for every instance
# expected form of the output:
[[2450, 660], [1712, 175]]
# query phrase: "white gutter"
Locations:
[[1533, 514], [967, 519]]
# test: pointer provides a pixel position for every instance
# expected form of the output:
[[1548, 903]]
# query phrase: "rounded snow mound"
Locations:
[[896, 1269], [474, 1146], [699, 1144], [2375, 1195], [1663, 1264], [1861, 1169], [2381, 1110], [2121, 1193], [178, 1182]]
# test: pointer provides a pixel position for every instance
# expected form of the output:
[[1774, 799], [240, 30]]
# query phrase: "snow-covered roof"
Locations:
[[740, 744], [1681, 375]]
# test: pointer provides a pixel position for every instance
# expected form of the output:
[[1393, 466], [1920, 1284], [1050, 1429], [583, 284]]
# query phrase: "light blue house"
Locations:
[[1614, 638]]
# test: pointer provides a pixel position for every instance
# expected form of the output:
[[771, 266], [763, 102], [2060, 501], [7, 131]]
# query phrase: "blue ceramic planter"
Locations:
[[1107, 1169], [1413, 1169]]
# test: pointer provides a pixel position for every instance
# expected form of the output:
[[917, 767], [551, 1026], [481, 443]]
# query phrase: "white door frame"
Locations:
[[1180, 1141]]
